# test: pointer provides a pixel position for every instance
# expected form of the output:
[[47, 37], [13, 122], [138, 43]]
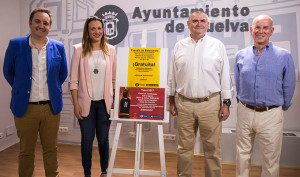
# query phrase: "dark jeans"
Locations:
[[97, 121]]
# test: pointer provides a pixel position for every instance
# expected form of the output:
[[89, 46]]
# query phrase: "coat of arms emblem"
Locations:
[[110, 24]]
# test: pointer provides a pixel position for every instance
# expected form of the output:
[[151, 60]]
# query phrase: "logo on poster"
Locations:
[[144, 116], [115, 23]]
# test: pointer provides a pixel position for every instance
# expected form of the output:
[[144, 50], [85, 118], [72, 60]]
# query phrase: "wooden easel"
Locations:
[[139, 154]]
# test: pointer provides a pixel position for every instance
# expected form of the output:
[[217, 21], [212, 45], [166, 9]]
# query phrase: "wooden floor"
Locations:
[[70, 163]]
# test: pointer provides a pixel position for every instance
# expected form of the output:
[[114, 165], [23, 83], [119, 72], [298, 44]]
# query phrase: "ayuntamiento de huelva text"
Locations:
[[176, 12]]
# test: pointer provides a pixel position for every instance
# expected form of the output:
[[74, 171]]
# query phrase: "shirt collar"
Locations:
[[31, 45], [200, 40], [267, 47]]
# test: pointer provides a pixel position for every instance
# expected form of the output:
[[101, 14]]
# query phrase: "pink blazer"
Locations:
[[80, 78]]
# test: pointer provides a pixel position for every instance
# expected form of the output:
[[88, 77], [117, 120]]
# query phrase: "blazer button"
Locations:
[[28, 92]]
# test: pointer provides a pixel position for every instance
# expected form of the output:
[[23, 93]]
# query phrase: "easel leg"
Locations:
[[139, 153], [114, 150], [138, 149], [142, 148], [162, 151]]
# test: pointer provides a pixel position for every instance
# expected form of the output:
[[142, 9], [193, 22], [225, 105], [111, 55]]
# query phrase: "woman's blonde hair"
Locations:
[[86, 41]]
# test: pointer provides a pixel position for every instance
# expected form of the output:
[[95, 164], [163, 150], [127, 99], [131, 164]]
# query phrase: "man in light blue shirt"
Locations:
[[265, 83]]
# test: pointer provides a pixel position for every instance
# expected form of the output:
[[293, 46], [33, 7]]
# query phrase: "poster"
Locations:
[[143, 67], [141, 103]]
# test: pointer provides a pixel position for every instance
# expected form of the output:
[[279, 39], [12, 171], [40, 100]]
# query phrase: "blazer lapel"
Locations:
[[87, 75], [28, 55], [107, 66], [106, 60], [50, 53]]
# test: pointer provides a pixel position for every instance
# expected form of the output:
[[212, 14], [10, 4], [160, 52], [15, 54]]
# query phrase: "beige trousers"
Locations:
[[267, 126], [203, 115], [38, 119]]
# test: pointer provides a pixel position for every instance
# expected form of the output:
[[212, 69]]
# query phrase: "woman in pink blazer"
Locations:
[[93, 76]]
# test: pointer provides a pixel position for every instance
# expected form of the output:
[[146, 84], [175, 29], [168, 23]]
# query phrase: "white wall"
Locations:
[[10, 28]]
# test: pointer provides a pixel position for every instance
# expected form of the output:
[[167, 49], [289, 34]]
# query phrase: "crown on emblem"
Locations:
[[109, 15]]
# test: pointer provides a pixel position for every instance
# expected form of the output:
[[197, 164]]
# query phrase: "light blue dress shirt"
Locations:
[[266, 80]]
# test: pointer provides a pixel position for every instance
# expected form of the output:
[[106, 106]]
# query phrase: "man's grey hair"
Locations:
[[197, 11]]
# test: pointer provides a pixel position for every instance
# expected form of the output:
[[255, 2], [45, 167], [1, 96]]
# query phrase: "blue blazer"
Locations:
[[17, 70]]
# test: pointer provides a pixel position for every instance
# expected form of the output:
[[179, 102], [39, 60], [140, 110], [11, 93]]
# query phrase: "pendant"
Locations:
[[96, 71]]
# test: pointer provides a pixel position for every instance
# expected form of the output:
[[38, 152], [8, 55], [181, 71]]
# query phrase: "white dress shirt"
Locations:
[[39, 80], [199, 69], [97, 61]]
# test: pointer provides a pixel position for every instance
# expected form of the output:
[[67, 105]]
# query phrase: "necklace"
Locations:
[[96, 57], [96, 71]]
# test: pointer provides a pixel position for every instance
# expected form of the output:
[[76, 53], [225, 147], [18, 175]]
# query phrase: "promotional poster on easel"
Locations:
[[140, 93]]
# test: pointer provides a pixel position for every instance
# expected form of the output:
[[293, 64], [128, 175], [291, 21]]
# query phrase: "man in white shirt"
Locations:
[[199, 74]]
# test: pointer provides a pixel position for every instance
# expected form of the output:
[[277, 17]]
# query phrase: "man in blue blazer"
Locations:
[[35, 66]]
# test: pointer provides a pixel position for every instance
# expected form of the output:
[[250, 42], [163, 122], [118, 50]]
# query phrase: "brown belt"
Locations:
[[258, 108], [199, 100]]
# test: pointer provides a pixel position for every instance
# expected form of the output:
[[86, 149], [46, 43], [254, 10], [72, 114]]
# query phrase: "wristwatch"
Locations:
[[227, 102]]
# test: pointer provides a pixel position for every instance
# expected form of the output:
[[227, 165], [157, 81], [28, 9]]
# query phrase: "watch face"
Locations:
[[228, 103]]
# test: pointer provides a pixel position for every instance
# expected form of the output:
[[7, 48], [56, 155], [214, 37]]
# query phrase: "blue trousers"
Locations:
[[96, 122]]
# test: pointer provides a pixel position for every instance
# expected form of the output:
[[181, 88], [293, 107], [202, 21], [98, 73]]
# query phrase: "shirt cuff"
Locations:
[[226, 94], [171, 91], [286, 107]]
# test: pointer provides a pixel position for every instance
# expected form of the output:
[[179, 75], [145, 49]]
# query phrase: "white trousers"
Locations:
[[267, 126]]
